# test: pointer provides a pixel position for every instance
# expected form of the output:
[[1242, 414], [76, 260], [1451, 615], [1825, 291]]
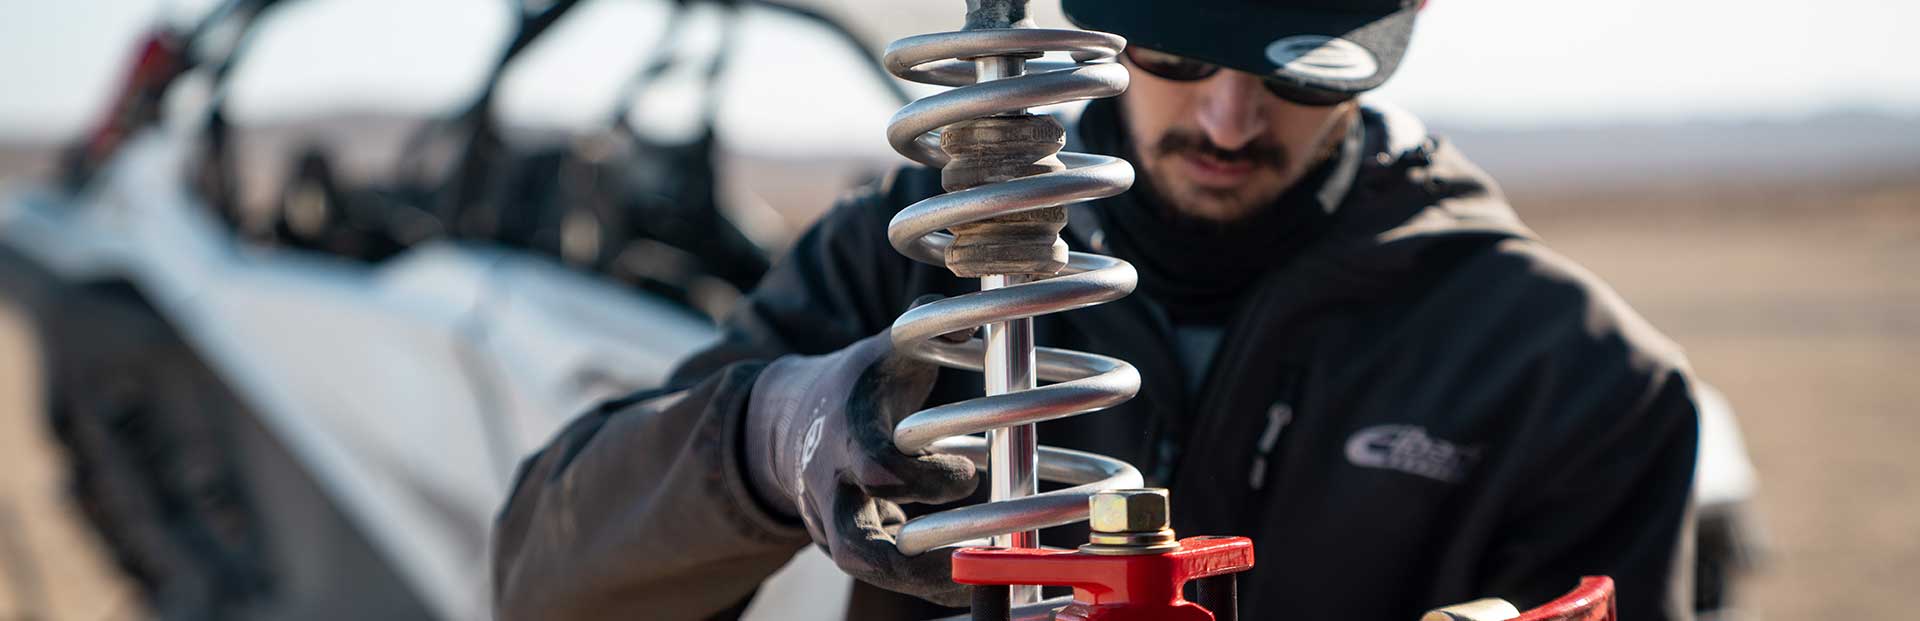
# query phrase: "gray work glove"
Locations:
[[820, 446]]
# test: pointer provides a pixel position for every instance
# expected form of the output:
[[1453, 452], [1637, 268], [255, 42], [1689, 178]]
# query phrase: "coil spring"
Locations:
[[1084, 382]]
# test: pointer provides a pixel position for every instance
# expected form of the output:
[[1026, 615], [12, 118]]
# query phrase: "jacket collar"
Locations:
[[1397, 152]]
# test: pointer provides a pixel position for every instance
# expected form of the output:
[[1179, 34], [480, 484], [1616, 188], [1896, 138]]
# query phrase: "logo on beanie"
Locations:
[[1322, 57]]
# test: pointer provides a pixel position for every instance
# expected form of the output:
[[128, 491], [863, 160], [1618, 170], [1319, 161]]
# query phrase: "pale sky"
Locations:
[[1484, 62]]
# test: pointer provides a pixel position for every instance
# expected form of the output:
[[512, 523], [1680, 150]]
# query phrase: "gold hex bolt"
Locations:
[[1129, 510], [1129, 521]]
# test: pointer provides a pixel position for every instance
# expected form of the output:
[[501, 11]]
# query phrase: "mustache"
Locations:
[[1190, 142]]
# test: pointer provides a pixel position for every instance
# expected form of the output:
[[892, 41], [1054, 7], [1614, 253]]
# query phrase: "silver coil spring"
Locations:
[[1081, 382]]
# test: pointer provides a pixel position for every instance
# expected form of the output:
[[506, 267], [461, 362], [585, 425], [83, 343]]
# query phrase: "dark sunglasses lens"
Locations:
[[1306, 96], [1168, 66], [1183, 69]]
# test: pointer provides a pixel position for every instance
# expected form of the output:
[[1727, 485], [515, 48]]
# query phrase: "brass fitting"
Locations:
[[1489, 609], [1129, 521]]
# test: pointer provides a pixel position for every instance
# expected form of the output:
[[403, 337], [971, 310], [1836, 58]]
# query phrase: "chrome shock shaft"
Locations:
[[1007, 184]]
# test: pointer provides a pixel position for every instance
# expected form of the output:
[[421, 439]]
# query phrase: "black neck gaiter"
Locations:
[[1198, 269]]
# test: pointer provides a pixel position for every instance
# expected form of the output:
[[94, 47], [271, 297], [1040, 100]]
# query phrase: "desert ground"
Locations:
[[1799, 300]]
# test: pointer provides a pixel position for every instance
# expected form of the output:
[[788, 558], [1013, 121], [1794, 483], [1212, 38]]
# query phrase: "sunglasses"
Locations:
[[1183, 69]]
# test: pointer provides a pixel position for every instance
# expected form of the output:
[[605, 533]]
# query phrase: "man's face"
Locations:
[[1220, 147]]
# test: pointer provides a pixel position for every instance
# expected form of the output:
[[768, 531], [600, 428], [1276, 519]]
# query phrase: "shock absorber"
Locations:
[[1008, 183]]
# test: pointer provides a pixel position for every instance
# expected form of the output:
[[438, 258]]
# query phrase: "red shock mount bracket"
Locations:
[[1113, 587]]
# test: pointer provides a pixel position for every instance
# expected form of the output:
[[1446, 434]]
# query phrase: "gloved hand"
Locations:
[[820, 446]]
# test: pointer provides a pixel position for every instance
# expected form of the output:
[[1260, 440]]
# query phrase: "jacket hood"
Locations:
[[1417, 191]]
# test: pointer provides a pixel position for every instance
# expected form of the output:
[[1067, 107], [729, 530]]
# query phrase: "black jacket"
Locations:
[[1425, 406]]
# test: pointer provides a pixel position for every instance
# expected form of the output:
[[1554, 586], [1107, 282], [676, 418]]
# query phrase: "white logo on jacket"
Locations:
[[1409, 449]]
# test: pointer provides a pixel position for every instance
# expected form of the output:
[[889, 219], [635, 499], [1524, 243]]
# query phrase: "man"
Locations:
[[1353, 353]]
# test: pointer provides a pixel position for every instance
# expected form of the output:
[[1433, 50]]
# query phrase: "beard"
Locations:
[[1189, 200]]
